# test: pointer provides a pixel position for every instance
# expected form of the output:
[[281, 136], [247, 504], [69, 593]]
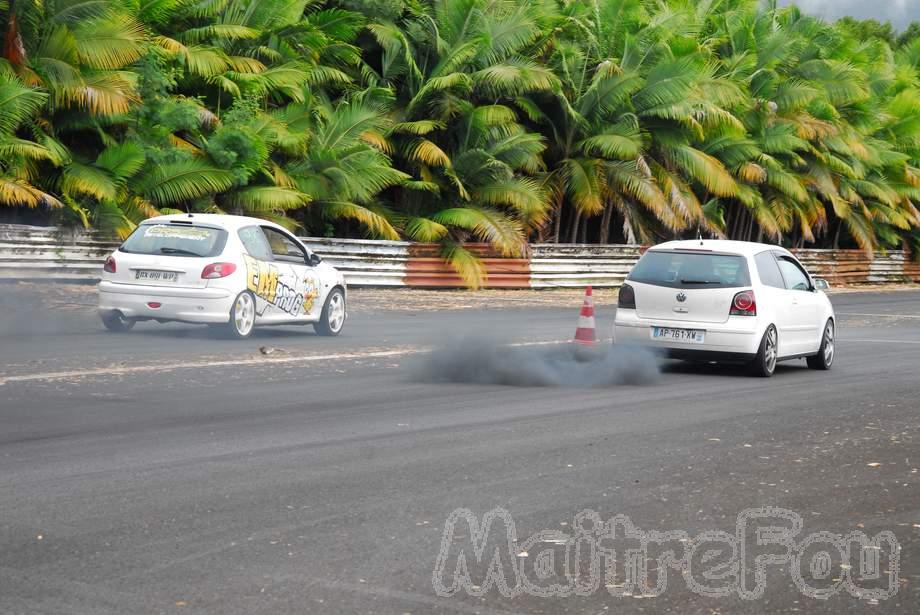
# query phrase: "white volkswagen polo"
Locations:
[[227, 271], [729, 301]]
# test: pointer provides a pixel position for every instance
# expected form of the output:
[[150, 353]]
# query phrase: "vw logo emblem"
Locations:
[[681, 297]]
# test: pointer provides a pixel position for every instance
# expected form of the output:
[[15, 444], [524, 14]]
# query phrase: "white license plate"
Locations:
[[694, 336], [155, 276]]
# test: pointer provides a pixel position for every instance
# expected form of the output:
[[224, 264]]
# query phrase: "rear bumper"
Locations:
[[686, 354], [736, 340], [194, 305]]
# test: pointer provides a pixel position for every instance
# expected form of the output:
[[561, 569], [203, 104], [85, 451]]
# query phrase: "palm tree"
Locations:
[[21, 158], [455, 67]]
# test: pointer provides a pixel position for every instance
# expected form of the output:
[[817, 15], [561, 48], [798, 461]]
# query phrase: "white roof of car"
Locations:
[[746, 248], [224, 221]]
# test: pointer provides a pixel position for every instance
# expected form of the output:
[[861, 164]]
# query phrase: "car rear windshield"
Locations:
[[678, 269], [173, 239]]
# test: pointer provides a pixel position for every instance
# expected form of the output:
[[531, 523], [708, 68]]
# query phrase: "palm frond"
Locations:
[[467, 265], [84, 179], [375, 222], [17, 103], [111, 42], [425, 230], [179, 182], [501, 231], [266, 199], [427, 152], [122, 161]]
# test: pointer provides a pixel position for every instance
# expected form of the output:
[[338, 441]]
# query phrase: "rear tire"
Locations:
[[825, 357], [764, 366], [117, 323], [242, 316], [333, 316]]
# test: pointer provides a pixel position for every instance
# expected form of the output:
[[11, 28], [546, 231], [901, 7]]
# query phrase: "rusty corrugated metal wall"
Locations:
[[427, 269]]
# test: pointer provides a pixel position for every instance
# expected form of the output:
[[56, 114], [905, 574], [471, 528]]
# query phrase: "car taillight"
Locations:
[[627, 297], [744, 304], [217, 270], [109, 266]]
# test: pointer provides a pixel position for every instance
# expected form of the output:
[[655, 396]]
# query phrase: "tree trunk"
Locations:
[[557, 219], [13, 49], [605, 224], [628, 233], [576, 221], [736, 223]]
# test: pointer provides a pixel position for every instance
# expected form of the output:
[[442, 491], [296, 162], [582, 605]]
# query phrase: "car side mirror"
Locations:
[[821, 284], [313, 259]]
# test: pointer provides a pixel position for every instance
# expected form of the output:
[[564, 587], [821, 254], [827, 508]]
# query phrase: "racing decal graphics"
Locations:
[[261, 278], [178, 232], [310, 292], [265, 281]]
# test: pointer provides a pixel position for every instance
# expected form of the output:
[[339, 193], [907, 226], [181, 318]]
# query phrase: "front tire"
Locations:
[[333, 317], [117, 323], [825, 357], [764, 365], [242, 316]]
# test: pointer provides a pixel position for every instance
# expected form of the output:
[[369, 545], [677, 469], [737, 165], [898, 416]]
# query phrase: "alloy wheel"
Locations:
[[244, 314], [336, 312], [770, 350], [829, 343]]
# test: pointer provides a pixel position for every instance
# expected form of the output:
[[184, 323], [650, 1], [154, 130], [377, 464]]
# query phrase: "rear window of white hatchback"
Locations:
[[186, 240], [680, 269]]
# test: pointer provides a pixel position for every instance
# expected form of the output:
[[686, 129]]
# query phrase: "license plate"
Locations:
[[694, 336], [156, 276]]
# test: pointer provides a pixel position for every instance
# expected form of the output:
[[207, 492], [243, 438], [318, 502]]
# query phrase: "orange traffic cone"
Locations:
[[586, 333]]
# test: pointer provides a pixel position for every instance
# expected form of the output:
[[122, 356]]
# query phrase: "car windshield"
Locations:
[[679, 269], [172, 239]]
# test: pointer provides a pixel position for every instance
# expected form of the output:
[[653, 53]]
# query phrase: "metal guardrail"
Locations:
[[364, 262], [50, 253], [577, 265], [54, 254]]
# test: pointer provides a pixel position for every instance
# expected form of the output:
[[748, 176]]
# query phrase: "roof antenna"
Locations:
[[699, 235]]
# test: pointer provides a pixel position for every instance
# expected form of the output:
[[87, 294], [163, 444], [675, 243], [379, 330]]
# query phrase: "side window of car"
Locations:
[[255, 243], [769, 270], [283, 247], [793, 274]]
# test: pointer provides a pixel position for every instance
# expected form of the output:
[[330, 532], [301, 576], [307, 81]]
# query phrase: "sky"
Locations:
[[899, 12]]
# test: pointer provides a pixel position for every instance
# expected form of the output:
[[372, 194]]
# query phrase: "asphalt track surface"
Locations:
[[170, 471]]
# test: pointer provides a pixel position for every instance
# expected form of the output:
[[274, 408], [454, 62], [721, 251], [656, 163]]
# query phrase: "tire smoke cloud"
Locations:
[[481, 361]]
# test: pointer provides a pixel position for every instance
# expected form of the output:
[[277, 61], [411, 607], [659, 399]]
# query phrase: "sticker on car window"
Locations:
[[178, 232]]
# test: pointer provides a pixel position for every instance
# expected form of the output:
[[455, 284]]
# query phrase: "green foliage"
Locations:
[[909, 35], [455, 121]]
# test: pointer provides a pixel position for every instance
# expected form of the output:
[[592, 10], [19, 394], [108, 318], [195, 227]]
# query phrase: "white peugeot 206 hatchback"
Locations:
[[712, 300], [225, 271]]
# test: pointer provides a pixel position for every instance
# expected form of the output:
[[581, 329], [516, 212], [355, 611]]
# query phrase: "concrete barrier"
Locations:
[[54, 254]]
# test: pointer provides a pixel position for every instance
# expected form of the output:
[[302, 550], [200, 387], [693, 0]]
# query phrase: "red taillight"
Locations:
[[154, 305], [218, 270], [109, 266], [744, 304], [627, 297]]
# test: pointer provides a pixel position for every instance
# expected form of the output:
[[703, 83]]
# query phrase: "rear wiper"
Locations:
[[178, 251], [697, 282]]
